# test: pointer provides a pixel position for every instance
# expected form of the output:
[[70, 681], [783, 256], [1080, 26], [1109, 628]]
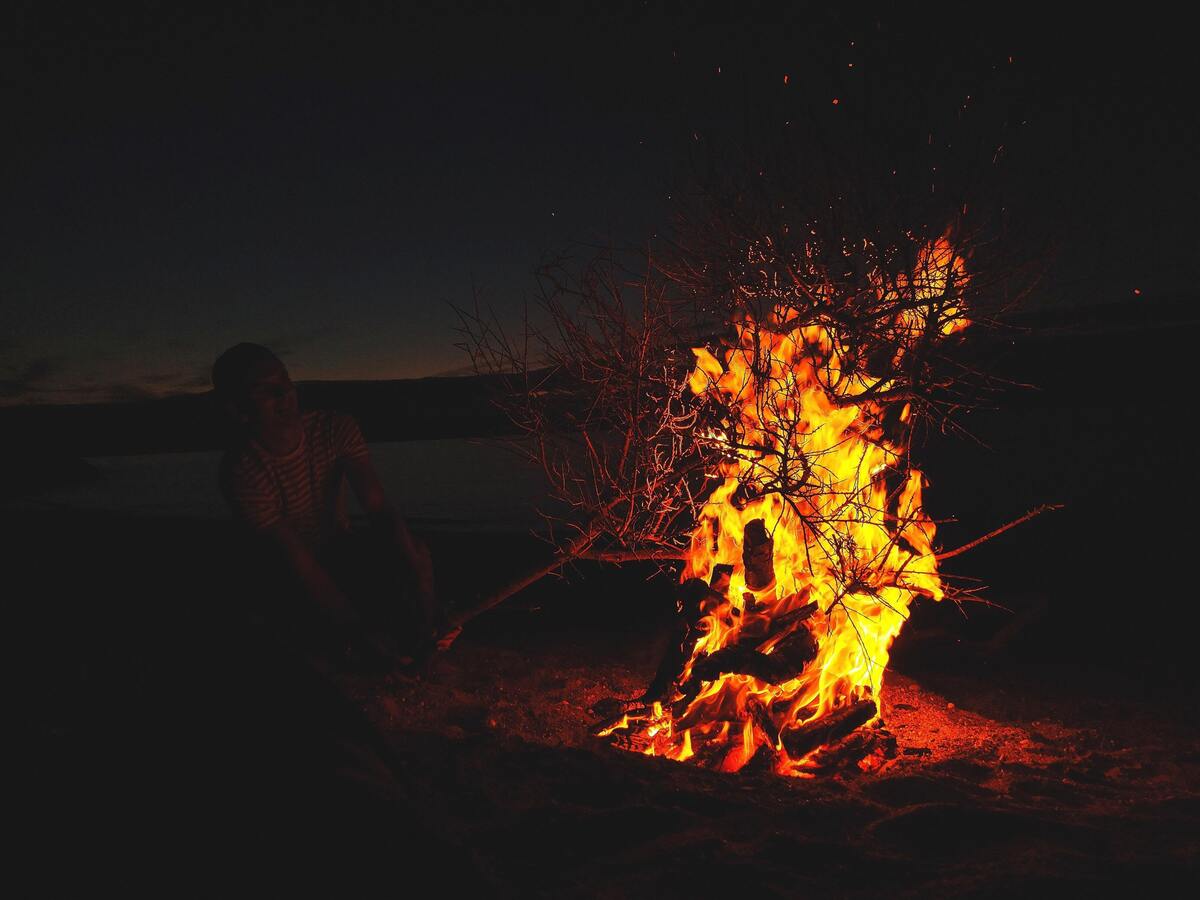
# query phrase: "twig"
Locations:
[[1045, 507], [577, 546], [625, 556]]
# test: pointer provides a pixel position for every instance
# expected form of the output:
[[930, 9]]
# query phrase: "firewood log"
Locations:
[[783, 620], [690, 597], [744, 658], [758, 555], [608, 709], [811, 735], [796, 650], [788, 660], [719, 579], [762, 718]]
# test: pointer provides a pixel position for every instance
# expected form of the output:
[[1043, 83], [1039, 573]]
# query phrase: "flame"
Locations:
[[805, 451]]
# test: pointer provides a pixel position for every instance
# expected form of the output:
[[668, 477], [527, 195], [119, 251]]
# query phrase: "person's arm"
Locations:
[[351, 450], [389, 524], [255, 502], [346, 635], [386, 521], [314, 580]]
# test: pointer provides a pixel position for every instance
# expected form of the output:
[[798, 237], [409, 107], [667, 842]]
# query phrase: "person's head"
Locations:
[[254, 387]]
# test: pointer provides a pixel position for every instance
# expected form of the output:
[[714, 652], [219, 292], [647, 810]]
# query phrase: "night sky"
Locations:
[[327, 182]]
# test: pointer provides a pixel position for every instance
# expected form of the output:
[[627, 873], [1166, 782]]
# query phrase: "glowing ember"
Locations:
[[811, 548]]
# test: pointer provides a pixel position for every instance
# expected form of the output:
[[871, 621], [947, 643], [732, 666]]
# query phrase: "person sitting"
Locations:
[[364, 597]]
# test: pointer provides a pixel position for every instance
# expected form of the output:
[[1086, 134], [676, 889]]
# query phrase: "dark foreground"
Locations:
[[176, 745]]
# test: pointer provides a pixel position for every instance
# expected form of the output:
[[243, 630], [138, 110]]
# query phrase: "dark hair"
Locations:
[[232, 367]]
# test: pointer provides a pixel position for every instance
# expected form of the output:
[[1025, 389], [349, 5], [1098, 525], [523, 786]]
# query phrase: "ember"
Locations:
[[809, 551]]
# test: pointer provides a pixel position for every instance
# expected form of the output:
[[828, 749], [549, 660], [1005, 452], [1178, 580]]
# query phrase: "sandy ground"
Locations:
[[1032, 782], [177, 745]]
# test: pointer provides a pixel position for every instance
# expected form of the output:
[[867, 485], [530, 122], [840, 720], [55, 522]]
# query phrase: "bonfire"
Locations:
[[775, 468], [809, 551]]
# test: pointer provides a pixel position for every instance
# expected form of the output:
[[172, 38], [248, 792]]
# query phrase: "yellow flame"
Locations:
[[843, 540]]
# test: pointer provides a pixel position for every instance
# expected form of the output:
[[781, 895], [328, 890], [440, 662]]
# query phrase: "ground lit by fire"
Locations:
[[989, 781], [998, 736]]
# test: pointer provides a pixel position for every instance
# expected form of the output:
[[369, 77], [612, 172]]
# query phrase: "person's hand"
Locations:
[[447, 638], [422, 563]]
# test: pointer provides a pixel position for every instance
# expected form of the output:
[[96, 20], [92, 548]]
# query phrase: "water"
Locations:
[[446, 484]]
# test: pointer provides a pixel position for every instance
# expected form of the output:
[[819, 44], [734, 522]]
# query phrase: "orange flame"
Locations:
[[805, 450]]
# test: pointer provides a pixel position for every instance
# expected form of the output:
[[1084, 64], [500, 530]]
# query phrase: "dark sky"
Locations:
[[327, 181]]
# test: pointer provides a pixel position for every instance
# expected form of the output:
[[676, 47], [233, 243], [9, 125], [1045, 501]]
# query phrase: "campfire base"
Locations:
[[839, 723]]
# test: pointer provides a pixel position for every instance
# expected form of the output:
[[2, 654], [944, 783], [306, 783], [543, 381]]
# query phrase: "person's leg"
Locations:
[[268, 596], [381, 587]]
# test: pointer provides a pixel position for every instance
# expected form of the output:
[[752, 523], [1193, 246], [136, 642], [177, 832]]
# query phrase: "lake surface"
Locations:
[[444, 484]]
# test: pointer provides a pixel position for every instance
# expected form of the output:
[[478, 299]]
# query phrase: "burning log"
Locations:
[[758, 626], [609, 709], [784, 620], [720, 577], [808, 737], [634, 742], [758, 555], [712, 753], [784, 663], [735, 660], [865, 750], [693, 596], [762, 718], [796, 650]]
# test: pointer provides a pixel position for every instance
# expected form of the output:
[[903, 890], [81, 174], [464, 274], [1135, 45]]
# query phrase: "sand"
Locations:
[[177, 744]]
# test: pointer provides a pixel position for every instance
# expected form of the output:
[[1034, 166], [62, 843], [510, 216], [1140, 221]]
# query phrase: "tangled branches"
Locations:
[[640, 382], [598, 391]]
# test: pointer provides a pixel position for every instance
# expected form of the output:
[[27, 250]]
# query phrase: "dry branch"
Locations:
[[568, 553], [1045, 507], [622, 376]]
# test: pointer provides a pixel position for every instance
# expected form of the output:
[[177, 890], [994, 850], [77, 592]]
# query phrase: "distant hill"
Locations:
[[410, 409], [1139, 350]]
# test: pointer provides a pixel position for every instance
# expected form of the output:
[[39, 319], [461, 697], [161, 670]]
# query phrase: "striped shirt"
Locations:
[[304, 488]]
